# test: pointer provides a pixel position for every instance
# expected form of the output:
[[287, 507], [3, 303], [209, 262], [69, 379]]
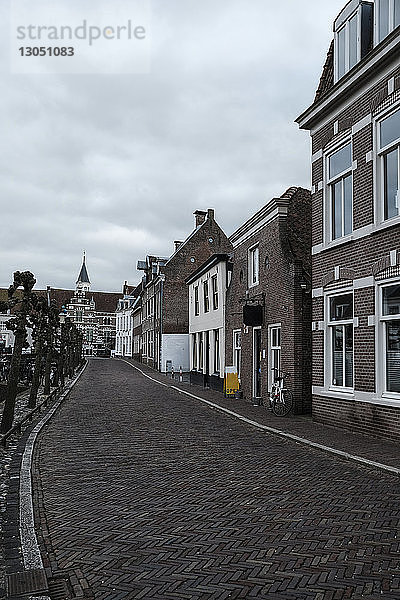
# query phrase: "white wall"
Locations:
[[175, 347], [214, 319]]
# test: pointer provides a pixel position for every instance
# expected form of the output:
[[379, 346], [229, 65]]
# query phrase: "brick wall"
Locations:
[[284, 256], [369, 419], [180, 267], [357, 259]]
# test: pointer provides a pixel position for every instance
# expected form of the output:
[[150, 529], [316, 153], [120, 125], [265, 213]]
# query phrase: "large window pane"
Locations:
[[337, 356], [341, 52], [337, 210], [383, 19], [352, 41], [348, 204], [391, 300], [349, 356], [341, 307], [396, 13], [391, 183], [390, 129], [393, 356], [340, 161]]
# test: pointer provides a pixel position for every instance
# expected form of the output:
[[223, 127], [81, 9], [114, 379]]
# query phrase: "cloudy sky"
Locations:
[[115, 164]]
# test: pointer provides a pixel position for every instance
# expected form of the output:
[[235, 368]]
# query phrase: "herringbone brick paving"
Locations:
[[145, 493]]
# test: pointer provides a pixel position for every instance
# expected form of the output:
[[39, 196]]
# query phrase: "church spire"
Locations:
[[83, 281]]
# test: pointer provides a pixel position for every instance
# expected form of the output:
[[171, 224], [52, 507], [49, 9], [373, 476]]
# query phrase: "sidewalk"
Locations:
[[366, 450]]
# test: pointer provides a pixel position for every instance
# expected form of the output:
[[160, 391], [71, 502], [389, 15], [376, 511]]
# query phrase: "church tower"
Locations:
[[83, 282]]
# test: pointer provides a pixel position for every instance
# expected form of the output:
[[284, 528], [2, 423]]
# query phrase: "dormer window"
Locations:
[[353, 36], [347, 46], [388, 17]]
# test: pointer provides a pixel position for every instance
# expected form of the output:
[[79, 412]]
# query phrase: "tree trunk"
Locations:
[[12, 382], [47, 370], [36, 376]]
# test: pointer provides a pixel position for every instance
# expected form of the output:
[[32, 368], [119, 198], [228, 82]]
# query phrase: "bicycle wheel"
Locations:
[[283, 403]]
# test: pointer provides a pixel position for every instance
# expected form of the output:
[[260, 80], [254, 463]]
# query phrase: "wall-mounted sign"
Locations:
[[253, 315]]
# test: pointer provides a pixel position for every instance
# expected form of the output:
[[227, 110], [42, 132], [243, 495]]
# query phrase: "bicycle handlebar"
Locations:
[[281, 374]]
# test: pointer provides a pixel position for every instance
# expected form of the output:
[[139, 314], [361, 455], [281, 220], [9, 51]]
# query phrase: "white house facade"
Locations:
[[207, 302]]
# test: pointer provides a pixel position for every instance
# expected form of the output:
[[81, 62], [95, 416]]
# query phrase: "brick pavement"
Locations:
[[371, 449], [146, 493]]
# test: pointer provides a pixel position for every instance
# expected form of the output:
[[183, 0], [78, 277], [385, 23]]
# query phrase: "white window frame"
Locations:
[[196, 300], [346, 28], [217, 352], [201, 352], [328, 193], [270, 351], [381, 370], [328, 362], [237, 351], [194, 355], [214, 292], [391, 25], [253, 266], [206, 297], [379, 176]]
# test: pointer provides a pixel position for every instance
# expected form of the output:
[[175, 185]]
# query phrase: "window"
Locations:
[[341, 336], [388, 17], [206, 297], [194, 351], [201, 351], [275, 351], [253, 266], [353, 37], [347, 45], [340, 184], [237, 350], [389, 157], [150, 352], [390, 321], [217, 365], [196, 301], [214, 283]]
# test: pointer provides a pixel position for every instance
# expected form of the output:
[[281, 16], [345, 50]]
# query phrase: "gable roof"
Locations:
[[213, 260], [271, 210], [327, 78]]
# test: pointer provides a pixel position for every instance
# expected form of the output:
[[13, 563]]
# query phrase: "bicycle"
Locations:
[[280, 398]]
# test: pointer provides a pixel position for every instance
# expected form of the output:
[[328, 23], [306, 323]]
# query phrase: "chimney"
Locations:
[[200, 217], [177, 244], [210, 214]]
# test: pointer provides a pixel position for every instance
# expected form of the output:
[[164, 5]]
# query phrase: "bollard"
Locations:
[[172, 373], [180, 375]]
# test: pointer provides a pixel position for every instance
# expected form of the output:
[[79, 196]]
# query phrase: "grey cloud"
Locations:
[[116, 165]]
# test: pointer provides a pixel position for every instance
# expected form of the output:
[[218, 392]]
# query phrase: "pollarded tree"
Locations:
[[22, 308]]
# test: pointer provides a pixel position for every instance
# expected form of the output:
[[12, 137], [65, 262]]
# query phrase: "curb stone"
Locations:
[[300, 440]]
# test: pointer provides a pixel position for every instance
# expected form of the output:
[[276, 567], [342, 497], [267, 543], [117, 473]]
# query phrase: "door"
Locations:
[[207, 358], [257, 362]]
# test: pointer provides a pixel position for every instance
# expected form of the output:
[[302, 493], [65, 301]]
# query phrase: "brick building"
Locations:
[[268, 313], [354, 123], [165, 318]]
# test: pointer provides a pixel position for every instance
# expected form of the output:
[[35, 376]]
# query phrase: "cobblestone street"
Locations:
[[151, 494]]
